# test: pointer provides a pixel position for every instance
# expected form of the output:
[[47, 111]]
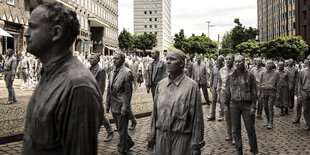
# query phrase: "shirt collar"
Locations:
[[56, 62], [177, 80]]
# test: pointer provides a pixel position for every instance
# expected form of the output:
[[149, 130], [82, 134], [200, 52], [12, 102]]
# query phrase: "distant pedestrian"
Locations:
[[10, 66]]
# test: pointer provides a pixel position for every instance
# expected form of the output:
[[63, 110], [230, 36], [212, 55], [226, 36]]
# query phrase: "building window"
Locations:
[[145, 20], [155, 12], [155, 19], [82, 22], [155, 33], [144, 6], [11, 2], [150, 12], [150, 26], [155, 26], [150, 19], [145, 26], [145, 12], [86, 24]]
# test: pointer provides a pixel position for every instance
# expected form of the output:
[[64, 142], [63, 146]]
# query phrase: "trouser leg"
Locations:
[[236, 128], [205, 92], [271, 101], [292, 91], [259, 105], [306, 106], [228, 121], [298, 109], [9, 86], [153, 87], [125, 141], [214, 100], [265, 103], [132, 117], [249, 121], [106, 123]]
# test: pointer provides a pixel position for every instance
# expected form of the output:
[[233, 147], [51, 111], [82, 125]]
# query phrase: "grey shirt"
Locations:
[[178, 109], [64, 111], [200, 73]]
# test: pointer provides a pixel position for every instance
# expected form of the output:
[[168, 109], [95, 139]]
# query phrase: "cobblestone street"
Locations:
[[284, 138]]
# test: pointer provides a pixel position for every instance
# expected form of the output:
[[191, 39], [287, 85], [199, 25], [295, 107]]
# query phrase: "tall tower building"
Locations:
[[303, 19], [276, 18], [154, 16]]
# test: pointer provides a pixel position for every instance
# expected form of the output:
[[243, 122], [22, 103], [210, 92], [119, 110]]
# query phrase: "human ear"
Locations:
[[56, 32]]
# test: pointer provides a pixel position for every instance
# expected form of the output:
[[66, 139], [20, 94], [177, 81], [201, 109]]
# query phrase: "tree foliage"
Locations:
[[194, 44], [284, 48], [240, 34], [201, 45], [145, 41], [250, 47], [227, 42], [126, 40]]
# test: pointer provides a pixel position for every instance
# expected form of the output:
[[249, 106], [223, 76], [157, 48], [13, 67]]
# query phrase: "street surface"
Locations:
[[284, 138]]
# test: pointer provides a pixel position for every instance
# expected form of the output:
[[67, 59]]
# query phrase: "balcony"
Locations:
[[64, 2], [95, 22]]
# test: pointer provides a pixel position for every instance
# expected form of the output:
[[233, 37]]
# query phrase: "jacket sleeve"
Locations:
[[212, 78], [253, 91], [127, 92], [227, 91], [198, 121], [102, 80], [152, 132], [14, 66], [108, 104]]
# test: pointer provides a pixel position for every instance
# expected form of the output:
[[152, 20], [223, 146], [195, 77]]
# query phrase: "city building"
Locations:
[[98, 24], [303, 20], [154, 16], [276, 18]]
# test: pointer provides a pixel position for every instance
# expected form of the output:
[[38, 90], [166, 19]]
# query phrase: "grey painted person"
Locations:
[[270, 85], [303, 92], [200, 75], [223, 73], [118, 100], [257, 71], [177, 126], [9, 71], [155, 73], [283, 100], [241, 96], [292, 75], [100, 76], [64, 112], [213, 87], [299, 99]]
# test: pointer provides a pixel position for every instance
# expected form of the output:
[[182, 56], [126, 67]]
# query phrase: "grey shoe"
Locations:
[[109, 137]]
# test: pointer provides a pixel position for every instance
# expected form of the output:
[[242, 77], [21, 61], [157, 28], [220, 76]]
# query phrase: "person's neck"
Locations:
[[229, 66], [156, 59], [240, 70], [174, 75], [51, 54]]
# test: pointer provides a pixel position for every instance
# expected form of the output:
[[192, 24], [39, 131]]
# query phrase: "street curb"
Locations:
[[19, 137]]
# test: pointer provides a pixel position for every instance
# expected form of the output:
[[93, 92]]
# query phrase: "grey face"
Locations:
[[239, 62], [269, 65]]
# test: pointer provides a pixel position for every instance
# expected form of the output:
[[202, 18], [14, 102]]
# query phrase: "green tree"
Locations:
[[227, 42], [180, 40], [241, 34], [284, 48], [200, 45], [250, 47], [145, 41], [125, 40]]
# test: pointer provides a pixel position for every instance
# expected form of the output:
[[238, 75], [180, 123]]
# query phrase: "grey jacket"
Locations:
[[119, 91]]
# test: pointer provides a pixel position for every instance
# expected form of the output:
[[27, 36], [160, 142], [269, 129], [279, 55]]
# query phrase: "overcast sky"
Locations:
[[191, 15]]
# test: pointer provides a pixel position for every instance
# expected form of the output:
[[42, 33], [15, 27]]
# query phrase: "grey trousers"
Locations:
[[168, 143], [125, 141], [106, 123], [259, 103], [268, 98], [291, 98], [205, 92], [306, 105], [9, 85], [239, 109], [298, 109], [214, 101]]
